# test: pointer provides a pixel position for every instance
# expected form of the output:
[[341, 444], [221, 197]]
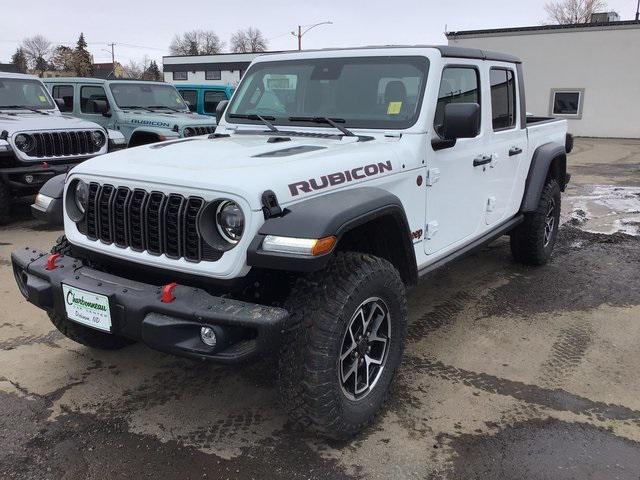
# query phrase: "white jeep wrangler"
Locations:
[[335, 180], [37, 142]]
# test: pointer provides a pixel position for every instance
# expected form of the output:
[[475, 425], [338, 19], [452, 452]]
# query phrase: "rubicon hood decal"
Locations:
[[337, 178]]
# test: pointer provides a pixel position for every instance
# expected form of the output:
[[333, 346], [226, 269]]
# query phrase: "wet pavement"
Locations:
[[510, 372]]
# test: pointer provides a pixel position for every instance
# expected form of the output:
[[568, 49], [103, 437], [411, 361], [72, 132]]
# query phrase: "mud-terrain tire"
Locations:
[[324, 310], [5, 204], [79, 333], [533, 240]]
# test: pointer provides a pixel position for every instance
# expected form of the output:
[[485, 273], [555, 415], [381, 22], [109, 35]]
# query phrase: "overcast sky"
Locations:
[[134, 24]]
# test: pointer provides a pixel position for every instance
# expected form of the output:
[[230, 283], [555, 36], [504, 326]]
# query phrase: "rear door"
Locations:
[[507, 139], [456, 188]]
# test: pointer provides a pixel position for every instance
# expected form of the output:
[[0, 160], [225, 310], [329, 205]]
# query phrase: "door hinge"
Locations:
[[433, 175], [432, 229]]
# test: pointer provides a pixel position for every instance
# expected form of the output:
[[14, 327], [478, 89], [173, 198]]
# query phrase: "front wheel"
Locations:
[[343, 344]]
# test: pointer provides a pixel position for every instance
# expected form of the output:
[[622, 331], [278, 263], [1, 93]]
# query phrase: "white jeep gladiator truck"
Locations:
[[37, 142], [335, 180]]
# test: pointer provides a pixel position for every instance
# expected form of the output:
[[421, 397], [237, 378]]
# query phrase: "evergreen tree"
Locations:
[[153, 72], [83, 62], [19, 59]]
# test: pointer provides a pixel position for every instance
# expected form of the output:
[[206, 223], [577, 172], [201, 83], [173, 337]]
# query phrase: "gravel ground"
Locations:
[[510, 372]]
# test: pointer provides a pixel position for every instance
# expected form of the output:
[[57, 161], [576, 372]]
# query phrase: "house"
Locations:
[[587, 73], [109, 71], [8, 68]]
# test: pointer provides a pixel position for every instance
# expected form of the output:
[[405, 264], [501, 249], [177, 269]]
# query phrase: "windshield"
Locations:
[[365, 92], [145, 95], [20, 92]]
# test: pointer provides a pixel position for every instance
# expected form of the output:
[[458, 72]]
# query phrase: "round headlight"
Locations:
[[24, 142], [230, 221], [81, 196], [189, 132], [98, 138]]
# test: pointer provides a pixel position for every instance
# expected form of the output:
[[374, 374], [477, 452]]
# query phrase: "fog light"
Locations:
[[28, 179], [208, 336]]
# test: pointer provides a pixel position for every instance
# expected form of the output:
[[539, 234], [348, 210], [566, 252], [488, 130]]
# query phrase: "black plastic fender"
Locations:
[[53, 188], [538, 170], [332, 214]]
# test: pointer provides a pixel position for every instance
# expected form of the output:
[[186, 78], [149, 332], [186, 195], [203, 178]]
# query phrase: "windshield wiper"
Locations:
[[22, 107], [329, 121], [164, 106], [135, 107], [253, 116]]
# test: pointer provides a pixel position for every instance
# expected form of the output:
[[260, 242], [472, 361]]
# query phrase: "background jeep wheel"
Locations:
[[533, 240], [5, 204], [343, 344]]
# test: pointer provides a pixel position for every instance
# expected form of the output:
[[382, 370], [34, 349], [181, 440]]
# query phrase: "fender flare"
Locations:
[[331, 214], [160, 132], [54, 189], [538, 170]]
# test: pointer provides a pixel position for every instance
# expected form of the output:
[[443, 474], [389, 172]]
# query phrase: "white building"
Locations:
[[587, 73], [221, 69]]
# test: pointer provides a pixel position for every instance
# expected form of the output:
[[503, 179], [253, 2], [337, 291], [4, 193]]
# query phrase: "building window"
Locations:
[[213, 75], [503, 98], [64, 93], [180, 76], [567, 102], [457, 85]]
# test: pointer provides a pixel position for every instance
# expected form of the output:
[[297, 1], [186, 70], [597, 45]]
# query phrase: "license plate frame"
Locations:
[[87, 308]]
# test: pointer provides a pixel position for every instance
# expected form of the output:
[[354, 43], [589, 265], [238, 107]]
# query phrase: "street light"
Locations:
[[301, 33]]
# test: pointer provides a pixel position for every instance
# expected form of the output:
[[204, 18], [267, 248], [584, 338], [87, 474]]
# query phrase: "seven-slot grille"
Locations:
[[61, 144], [147, 221], [203, 130]]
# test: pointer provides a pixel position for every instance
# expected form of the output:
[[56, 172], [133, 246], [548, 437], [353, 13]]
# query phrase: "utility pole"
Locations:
[[301, 33], [113, 57], [638, 11]]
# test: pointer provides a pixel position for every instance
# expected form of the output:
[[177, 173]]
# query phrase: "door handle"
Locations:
[[482, 160], [514, 151]]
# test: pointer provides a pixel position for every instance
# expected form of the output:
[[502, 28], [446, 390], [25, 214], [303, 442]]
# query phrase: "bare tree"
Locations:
[[573, 11], [142, 69], [196, 42], [248, 41], [37, 50]]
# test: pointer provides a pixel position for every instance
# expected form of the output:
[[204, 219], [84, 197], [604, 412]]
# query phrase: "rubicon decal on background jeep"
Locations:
[[337, 178]]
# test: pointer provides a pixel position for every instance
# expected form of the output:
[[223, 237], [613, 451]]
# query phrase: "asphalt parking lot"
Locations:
[[509, 373]]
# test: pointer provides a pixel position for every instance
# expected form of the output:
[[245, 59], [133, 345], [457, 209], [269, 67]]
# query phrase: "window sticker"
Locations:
[[394, 108], [42, 98]]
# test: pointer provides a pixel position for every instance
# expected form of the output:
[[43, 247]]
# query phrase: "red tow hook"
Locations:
[[51, 261], [167, 293]]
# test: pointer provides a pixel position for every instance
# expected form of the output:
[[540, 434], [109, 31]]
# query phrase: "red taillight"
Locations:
[[167, 293]]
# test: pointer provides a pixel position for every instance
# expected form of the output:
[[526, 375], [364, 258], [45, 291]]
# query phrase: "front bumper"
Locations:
[[138, 313], [16, 177]]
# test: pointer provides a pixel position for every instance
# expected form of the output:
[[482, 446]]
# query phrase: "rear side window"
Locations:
[[212, 99], [87, 97], [458, 85], [65, 93], [190, 96], [503, 98]]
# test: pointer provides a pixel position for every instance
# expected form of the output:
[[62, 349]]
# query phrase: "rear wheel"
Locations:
[[343, 344], [533, 240]]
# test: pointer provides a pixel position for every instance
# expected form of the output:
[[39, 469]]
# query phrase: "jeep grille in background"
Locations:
[[203, 130], [61, 144], [147, 221]]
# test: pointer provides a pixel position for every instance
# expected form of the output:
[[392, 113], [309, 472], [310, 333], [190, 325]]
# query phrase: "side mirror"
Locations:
[[461, 120], [61, 105], [220, 109], [100, 106]]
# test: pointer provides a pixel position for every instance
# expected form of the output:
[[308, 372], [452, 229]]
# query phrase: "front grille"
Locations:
[[204, 130], [61, 144], [147, 221]]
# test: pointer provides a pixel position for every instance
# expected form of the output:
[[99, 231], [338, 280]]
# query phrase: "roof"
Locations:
[[547, 28], [18, 75], [97, 81], [8, 67], [202, 86]]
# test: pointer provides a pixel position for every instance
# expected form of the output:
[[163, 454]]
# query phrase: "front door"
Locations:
[[457, 176], [89, 93]]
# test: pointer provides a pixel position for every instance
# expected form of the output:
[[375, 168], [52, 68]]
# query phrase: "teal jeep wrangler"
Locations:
[[145, 112]]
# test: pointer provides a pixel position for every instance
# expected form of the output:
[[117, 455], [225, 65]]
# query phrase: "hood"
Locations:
[[26, 122], [166, 120], [246, 165]]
